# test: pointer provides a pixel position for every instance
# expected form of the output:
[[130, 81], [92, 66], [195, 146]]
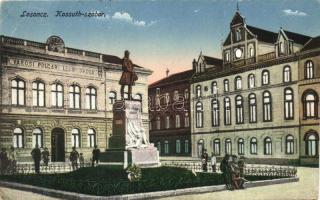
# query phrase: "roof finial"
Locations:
[[167, 72], [237, 6]]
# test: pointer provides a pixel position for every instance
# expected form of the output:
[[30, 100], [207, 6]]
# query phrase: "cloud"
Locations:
[[126, 17], [195, 11], [290, 12], [122, 16]]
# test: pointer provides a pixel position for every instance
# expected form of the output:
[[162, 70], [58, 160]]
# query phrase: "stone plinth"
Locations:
[[129, 143]]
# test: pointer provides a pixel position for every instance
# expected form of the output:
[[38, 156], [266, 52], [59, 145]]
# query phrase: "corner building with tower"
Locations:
[[261, 100]]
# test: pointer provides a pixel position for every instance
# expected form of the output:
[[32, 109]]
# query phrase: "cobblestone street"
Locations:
[[305, 189]]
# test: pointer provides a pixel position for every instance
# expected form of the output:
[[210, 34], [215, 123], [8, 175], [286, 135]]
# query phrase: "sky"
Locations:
[[160, 34]]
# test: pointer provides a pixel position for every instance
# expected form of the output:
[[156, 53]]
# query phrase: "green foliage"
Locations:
[[113, 180], [134, 173]]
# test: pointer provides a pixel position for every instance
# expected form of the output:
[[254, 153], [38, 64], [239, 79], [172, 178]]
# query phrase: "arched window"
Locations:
[[186, 146], [159, 147], [251, 81], [57, 95], [286, 74], [226, 85], [91, 98], [267, 146], [238, 35], [167, 98], [252, 108], [267, 106], [239, 109], [38, 94], [18, 138], [228, 146], [227, 111], [310, 104], [199, 115], [186, 94], [288, 103], [166, 147], [241, 146], [215, 113], [37, 138], [74, 96], [158, 123], [200, 147], [289, 144], [112, 97], [214, 88], [178, 121], [265, 77], [216, 146], [311, 140], [75, 138], [18, 90], [186, 120], [91, 137], [198, 91], [178, 146], [253, 146], [251, 51], [238, 83], [309, 70], [176, 95], [167, 121]]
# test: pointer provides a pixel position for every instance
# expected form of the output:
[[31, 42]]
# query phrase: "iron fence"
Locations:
[[249, 169], [51, 168]]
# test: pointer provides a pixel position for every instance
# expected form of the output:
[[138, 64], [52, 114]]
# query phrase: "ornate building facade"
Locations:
[[261, 100], [169, 114], [59, 97]]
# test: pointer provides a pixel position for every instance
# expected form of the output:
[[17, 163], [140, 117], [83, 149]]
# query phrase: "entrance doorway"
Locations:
[[57, 145]]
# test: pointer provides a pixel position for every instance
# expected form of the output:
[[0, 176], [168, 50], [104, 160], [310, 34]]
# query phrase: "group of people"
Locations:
[[205, 159], [75, 157], [8, 160], [232, 170], [231, 167]]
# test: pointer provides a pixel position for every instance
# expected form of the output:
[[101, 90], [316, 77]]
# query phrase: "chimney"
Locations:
[[167, 72]]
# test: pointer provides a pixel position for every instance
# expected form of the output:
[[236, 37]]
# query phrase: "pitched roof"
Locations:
[[177, 77], [312, 44], [297, 38], [263, 35], [228, 40], [237, 19], [213, 61]]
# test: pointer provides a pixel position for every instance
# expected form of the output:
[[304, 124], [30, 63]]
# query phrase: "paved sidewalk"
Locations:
[[306, 189]]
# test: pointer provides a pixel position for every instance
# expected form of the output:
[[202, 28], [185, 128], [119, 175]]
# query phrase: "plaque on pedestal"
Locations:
[[129, 143]]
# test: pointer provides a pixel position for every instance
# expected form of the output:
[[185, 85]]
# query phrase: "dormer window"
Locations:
[[238, 35], [227, 56], [281, 46]]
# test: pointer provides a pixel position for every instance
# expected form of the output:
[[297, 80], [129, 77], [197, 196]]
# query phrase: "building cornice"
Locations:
[[236, 70]]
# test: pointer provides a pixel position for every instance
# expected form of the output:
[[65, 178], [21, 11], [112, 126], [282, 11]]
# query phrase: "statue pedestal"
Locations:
[[129, 144]]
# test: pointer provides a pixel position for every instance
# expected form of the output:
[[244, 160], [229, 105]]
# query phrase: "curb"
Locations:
[[149, 195]]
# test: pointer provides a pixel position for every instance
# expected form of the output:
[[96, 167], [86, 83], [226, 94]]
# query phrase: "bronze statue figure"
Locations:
[[128, 76]]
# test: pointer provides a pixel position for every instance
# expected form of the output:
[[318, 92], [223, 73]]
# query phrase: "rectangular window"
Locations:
[[186, 146]]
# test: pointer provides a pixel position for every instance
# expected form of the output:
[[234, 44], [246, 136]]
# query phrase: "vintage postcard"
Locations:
[[159, 99]]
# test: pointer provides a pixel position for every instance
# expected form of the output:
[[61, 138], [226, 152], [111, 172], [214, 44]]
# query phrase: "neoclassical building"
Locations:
[[59, 97], [261, 100]]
